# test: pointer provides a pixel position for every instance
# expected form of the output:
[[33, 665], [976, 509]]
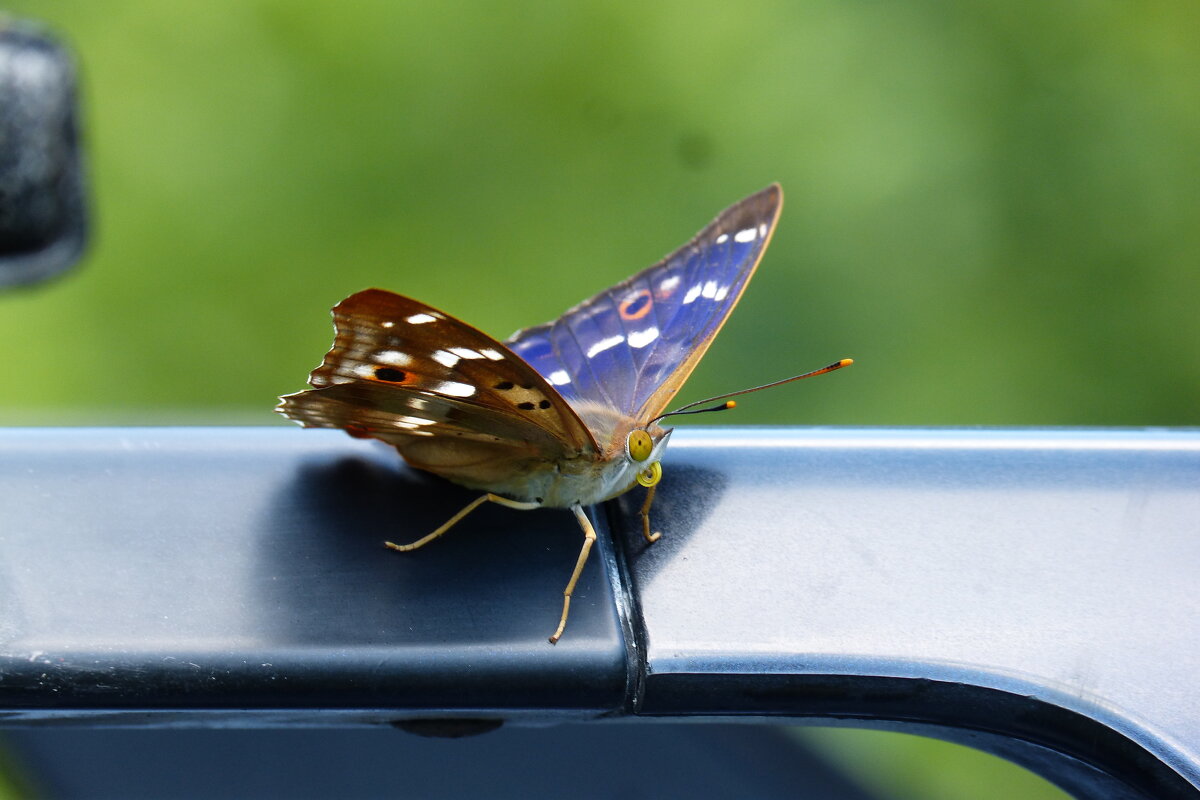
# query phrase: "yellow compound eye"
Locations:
[[640, 445], [650, 475]]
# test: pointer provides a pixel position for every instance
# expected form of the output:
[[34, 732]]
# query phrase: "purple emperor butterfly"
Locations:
[[562, 415]]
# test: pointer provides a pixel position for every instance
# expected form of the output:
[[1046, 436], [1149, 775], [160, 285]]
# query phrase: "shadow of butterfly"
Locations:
[[562, 415]]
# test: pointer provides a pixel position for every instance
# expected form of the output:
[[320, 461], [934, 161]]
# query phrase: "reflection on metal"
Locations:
[[1030, 593]]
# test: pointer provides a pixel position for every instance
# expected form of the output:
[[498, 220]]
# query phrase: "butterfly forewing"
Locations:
[[630, 347], [400, 369]]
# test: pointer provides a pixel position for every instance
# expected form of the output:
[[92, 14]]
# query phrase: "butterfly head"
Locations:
[[644, 450]]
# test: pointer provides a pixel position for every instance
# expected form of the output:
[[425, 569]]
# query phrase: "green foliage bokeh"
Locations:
[[993, 209]]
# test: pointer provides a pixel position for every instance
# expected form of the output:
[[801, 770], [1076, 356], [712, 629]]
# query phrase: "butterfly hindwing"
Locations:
[[631, 347], [382, 412], [400, 370]]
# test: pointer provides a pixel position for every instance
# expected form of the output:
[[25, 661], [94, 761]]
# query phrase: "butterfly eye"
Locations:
[[640, 445], [650, 475]]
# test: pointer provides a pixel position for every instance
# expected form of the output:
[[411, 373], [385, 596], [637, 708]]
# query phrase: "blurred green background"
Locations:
[[994, 208]]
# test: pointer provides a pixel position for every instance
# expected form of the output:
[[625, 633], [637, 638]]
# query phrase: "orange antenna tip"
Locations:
[[691, 408]]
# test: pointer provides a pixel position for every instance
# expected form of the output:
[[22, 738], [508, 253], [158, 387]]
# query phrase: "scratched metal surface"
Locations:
[[1035, 584]]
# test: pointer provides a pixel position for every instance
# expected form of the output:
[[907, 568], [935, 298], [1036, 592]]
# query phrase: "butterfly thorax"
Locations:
[[611, 471]]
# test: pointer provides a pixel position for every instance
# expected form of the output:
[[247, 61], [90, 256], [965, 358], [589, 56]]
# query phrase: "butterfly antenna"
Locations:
[[690, 408]]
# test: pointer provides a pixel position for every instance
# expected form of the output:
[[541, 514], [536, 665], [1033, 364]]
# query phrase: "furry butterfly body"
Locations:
[[563, 414]]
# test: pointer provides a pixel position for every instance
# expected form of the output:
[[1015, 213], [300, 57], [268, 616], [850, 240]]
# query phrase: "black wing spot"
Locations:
[[504, 386], [526, 385], [544, 404], [525, 406], [389, 374]]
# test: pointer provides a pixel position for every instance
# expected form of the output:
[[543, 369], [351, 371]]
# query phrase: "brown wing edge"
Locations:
[[401, 305]]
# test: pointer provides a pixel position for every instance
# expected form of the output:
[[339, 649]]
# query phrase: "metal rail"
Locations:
[[1028, 592]]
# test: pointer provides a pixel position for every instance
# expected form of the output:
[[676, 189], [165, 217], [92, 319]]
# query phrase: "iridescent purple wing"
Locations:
[[631, 347]]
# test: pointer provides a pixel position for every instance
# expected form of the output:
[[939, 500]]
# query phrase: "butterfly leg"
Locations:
[[589, 538], [457, 518], [645, 515]]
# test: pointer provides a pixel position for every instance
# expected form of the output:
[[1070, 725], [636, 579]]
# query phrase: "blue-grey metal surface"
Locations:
[[1028, 592], [580, 761], [1039, 585], [230, 571]]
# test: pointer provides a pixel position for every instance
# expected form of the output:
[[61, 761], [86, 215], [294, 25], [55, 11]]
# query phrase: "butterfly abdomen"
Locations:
[[501, 469]]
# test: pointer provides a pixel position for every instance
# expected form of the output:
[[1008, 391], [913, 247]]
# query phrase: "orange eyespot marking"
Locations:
[[637, 306], [650, 475], [639, 444]]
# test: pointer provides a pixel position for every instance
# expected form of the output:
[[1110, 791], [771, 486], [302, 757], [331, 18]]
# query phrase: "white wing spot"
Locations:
[[420, 319], [559, 377], [748, 235], [453, 389], [491, 353], [710, 290], [393, 357], [723, 238], [465, 352], [444, 358], [364, 370], [387, 324], [692, 294], [720, 295], [643, 338], [413, 422], [604, 344], [668, 284]]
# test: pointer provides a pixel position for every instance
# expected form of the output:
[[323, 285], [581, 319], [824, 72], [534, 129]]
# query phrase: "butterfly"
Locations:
[[561, 415]]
